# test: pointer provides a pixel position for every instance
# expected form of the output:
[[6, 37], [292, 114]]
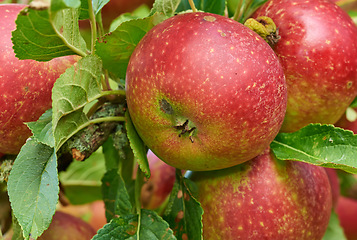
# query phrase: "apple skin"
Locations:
[[347, 213], [318, 51], [158, 187], [67, 227], [25, 85], [93, 213], [64, 226], [265, 199], [344, 123], [216, 75], [335, 185]]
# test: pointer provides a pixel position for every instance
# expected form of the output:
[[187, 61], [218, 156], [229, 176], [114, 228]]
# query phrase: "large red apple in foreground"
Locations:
[[25, 85], [204, 92], [158, 187], [318, 50], [265, 199]]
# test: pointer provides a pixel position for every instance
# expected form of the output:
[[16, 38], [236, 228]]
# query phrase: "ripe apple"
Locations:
[[158, 187], [344, 123], [93, 213], [318, 51], [265, 199], [335, 185], [66, 227], [347, 213], [25, 85], [204, 92]]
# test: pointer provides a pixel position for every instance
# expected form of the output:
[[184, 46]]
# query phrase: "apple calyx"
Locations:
[[184, 125], [264, 27], [186, 128]]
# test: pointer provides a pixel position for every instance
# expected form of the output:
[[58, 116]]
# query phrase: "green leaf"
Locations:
[[96, 4], [82, 180], [121, 228], [42, 129], [57, 5], [117, 47], [216, 6], [78, 86], [348, 183], [111, 155], [141, 12], [115, 195], [322, 145], [334, 230], [152, 227], [33, 187], [185, 5], [165, 7], [211, 6], [16, 228], [138, 146], [184, 213], [43, 35]]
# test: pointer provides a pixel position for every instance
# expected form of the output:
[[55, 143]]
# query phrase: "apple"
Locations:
[[25, 85], [93, 213], [66, 227], [345, 123], [335, 185], [318, 51], [205, 92], [158, 187], [264, 198], [347, 213]]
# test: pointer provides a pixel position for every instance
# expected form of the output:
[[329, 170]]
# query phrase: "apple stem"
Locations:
[[192, 5], [93, 25]]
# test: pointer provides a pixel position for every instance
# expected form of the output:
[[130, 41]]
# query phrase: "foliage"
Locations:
[[34, 182]]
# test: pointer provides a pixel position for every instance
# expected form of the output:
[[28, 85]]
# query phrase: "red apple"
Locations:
[[335, 185], [25, 85], [155, 191], [265, 199], [93, 213], [318, 50], [347, 214], [66, 227], [204, 92], [344, 123]]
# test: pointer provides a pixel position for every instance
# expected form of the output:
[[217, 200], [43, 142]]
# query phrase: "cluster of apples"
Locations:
[[209, 95]]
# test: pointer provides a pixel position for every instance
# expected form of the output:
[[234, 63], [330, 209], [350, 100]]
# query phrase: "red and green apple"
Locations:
[[205, 92], [318, 50], [25, 85], [265, 198]]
